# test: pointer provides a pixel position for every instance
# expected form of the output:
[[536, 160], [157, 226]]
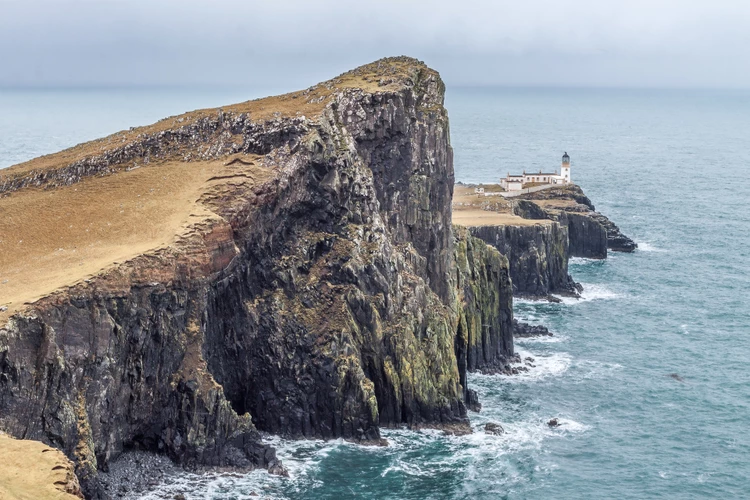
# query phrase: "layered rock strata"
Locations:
[[591, 233], [484, 338], [537, 254], [313, 290]]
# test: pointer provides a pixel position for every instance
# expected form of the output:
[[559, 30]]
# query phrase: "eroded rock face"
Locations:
[[584, 223], [322, 302], [341, 311], [587, 237], [484, 339], [537, 255]]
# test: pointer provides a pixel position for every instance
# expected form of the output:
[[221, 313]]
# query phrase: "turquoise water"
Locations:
[[671, 168]]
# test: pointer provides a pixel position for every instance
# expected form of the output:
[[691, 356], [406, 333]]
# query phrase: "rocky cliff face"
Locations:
[[318, 295], [585, 224], [340, 315], [537, 255], [484, 339]]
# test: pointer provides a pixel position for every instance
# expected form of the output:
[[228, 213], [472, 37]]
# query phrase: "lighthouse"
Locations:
[[565, 171]]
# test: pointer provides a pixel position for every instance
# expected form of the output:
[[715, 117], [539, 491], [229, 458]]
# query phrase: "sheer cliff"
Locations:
[[283, 265]]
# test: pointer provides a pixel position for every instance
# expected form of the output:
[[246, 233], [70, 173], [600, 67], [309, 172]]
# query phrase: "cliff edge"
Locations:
[[284, 265], [31, 470]]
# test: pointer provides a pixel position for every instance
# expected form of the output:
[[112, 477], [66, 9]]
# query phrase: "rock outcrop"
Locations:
[[484, 338], [314, 290], [537, 255], [586, 226], [521, 329]]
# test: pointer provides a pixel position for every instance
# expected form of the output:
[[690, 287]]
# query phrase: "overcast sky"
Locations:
[[651, 43]]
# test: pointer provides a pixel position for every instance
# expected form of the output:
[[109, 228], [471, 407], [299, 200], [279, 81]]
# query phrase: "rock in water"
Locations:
[[526, 330], [493, 428], [553, 423], [313, 290]]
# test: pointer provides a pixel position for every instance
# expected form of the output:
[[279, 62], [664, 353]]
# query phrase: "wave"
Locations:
[[541, 339], [590, 292], [545, 365], [644, 246], [586, 369], [578, 261]]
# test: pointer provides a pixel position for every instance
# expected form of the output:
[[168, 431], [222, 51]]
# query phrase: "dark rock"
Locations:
[[616, 241], [529, 210], [587, 236], [553, 423], [676, 376], [484, 338], [526, 330], [537, 256], [277, 469], [472, 401], [589, 230], [493, 428], [322, 302]]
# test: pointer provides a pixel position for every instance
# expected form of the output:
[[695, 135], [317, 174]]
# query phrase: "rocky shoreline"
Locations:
[[318, 290], [525, 330]]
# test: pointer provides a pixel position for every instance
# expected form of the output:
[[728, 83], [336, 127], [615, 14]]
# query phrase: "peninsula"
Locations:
[[287, 265]]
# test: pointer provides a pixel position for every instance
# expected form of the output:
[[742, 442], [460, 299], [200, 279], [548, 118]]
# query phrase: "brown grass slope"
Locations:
[[68, 216]]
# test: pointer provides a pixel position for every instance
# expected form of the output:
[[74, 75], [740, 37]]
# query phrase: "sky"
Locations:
[[598, 43]]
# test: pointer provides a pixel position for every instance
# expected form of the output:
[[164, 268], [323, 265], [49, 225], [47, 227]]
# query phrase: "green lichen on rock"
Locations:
[[484, 339], [326, 301]]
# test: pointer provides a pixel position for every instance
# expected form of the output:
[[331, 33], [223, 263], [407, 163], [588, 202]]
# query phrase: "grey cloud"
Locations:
[[532, 42]]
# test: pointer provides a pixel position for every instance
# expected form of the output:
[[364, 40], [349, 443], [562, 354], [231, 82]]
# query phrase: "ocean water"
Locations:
[[671, 169]]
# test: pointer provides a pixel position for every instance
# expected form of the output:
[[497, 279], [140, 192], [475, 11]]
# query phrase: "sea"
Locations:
[[648, 373]]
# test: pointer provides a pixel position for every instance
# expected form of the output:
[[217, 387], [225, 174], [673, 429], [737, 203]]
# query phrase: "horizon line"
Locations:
[[268, 86]]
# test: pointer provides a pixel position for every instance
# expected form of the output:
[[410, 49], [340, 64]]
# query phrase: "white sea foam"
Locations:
[[521, 300], [590, 292], [584, 260], [545, 365], [645, 246], [568, 425], [541, 339]]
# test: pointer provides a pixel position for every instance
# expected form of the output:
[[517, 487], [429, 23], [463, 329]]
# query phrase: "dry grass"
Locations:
[[488, 218], [470, 209], [309, 103], [54, 238], [556, 204], [30, 470]]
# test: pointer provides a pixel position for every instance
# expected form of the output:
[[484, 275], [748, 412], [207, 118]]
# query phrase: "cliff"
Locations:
[[285, 265], [538, 233], [589, 229], [538, 256], [484, 338]]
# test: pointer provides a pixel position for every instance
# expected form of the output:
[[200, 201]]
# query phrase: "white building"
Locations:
[[516, 182]]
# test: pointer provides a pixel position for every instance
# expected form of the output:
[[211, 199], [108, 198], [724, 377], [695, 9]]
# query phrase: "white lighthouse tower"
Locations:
[[565, 171]]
